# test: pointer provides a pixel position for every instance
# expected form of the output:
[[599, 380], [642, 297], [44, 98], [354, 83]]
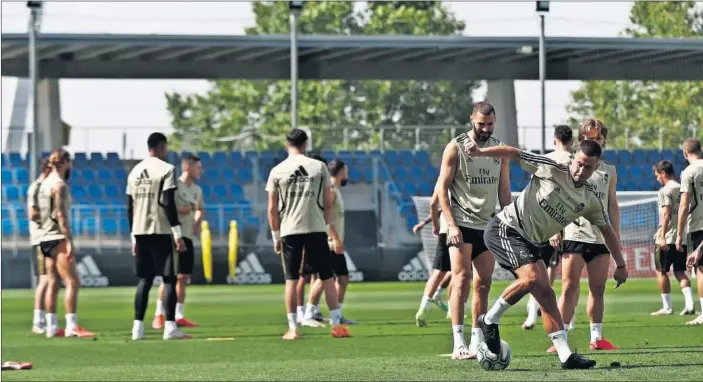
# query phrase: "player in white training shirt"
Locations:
[[691, 209], [666, 255]]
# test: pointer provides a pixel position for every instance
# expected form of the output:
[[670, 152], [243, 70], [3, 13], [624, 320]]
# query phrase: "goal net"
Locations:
[[638, 223]]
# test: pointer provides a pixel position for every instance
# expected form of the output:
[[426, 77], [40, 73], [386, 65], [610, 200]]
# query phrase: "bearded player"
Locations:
[[38, 263], [691, 210], [666, 256], [476, 185], [562, 154], [584, 246]]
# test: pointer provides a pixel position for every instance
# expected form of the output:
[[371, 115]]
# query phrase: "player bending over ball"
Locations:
[[666, 255], [476, 185], [300, 216], [691, 211], [555, 196]]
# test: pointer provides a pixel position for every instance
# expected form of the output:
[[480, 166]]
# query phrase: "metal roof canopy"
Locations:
[[353, 57]]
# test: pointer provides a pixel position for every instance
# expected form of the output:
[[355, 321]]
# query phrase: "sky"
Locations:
[[101, 110]]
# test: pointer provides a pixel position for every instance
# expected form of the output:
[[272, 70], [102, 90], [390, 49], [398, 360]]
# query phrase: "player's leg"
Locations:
[[699, 280], [319, 258], [67, 271], [186, 262], [50, 298], [597, 277], [341, 272], [144, 269], [545, 253], [292, 257], [571, 269], [39, 265], [516, 254], [311, 318], [166, 260], [444, 285], [662, 265], [679, 265], [300, 297], [158, 322], [461, 274], [483, 264], [441, 267]]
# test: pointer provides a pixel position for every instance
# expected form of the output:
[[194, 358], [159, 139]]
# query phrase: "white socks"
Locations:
[[701, 305], [666, 300], [291, 321], [496, 312], [71, 320], [688, 297], [476, 338], [160, 311], [38, 317], [424, 303], [459, 340], [336, 316], [532, 311], [179, 310], [301, 311], [561, 344], [170, 326], [596, 332], [437, 293], [309, 312], [51, 320], [339, 307]]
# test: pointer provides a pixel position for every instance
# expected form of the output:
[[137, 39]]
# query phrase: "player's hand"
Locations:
[[277, 247], [679, 243], [435, 230], [197, 227], [180, 245], [693, 258], [454, 236], [620, 276], [418, 227], [338, 247], [134, 250], [664, 247], [69, 251], [555, 241], [470, 147]]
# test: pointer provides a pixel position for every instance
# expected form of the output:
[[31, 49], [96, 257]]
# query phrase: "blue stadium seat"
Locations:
[[109, 226], [219, 192], [8, 227], [263, 173], [77, 192], [363, 160], [219, 158], [375, 154], [236, 158], [368, 174], [426, 189], [400, 174], [4, 161], [16, 159], [422, 157], [112, 160], [431, 174], [253, 222], [106, 175], [111, 192], [416, 174], [11, 192], [207, 191], [624, 157], [124, 226], [120, 176], [236, 191], [391, 158], [639, 156], [204, 156], [21, 175], [172, 158], [406, 157], [653, 156], [23, 226], [355, 175], [6, 175], [250, 156], [80, 159], [87, 175], [95, 191], [609, 155], [409, 188], [245, 175]]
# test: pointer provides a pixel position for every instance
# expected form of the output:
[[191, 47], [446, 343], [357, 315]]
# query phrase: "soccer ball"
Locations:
[[490, 361]]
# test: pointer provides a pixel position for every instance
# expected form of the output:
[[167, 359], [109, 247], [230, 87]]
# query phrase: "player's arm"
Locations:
[[613, 207], [33, 210], [200, 210], [596, 215], [274, 222], [446, 175], [538, 165], [434, 210], [329, 202], [184, 210], [694, 257], [509, 152], [686, 191], [169, 206], [63, 215], [504, 196], [665, 213]]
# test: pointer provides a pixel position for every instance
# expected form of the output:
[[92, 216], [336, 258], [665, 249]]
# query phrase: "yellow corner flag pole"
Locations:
[[233, 243], [206, 247]]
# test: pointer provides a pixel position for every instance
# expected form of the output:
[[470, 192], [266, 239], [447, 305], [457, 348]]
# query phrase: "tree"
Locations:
[[645, 107], [260, 110]]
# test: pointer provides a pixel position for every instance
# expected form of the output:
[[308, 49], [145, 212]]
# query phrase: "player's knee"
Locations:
[[343, 281], [183, 278], [72, 282], [680, 275], [597, 289], [169, 279], [482, 284], [570, 286]]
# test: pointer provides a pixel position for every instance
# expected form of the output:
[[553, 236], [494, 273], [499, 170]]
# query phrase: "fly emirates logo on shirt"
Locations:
[[559, 210], [484, 177]]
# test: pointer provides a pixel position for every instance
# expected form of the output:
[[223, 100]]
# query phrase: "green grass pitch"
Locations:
[[385, 346]]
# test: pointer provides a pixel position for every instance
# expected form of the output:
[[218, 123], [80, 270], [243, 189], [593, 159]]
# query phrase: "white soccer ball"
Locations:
[[490, 361]]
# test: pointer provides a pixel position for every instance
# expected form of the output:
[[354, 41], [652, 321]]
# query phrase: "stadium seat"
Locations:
[[400, 174], [23, 226], [407, 158], [207, 190], [204, 156], [355, 175], [368, 174], [609, 155], [227, 174], [422, 158], [416, 174], [409, 188], [237, 192], [95, 191], [236, 158], [109, 226], [8, 227], [16, 159], [245, 175], [111, 192], [220, 192], [21, 175], [106, 175], [426, 189], [112, 160], [219, 158], [7, 175], [11, 192], [639, 156], [77, 192], [431, 174], [624, 157], [391, 158]]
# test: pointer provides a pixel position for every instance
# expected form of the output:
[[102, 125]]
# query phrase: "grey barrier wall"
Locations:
[[255, 265]]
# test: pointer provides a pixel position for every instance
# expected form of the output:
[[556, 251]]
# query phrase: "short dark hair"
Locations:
[[318, 157], [692, 146], [155, 140], [563, 134], [190, 157], [45, 164], [591, 148], [484, 108], [664, 166], [297, 138], [336, 166]]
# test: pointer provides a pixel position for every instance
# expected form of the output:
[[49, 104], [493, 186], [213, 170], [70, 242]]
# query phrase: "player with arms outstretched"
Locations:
[[191, 211], [551, 254], [555, 196], [57, 245], [666, 255], [476, 185], [691, 209], [154, 225], [584, 246], [299, 212], [38, 263]]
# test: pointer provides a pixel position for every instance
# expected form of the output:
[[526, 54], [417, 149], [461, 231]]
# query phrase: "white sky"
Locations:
[[140, 104]]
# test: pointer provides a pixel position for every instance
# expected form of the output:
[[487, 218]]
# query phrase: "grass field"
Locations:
[[386, 345]]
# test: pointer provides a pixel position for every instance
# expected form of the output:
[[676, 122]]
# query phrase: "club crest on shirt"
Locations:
[[496, 161], [580, 207], [605, 178]]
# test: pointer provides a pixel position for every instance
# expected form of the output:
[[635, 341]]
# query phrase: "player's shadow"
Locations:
[[649, 366]]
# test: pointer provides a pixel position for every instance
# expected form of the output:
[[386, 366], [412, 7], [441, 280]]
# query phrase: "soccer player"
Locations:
[[555, 196], [583, 245], [690, 209], [56, 245], [476, 185], [300, 215], [154, 225], [665, 253], [191, 210], [441, 267], [562, 154], [39, 321]]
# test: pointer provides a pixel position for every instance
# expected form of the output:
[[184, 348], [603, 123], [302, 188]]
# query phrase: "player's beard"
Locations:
[[344, 182], [481, 137], [67, 175]]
